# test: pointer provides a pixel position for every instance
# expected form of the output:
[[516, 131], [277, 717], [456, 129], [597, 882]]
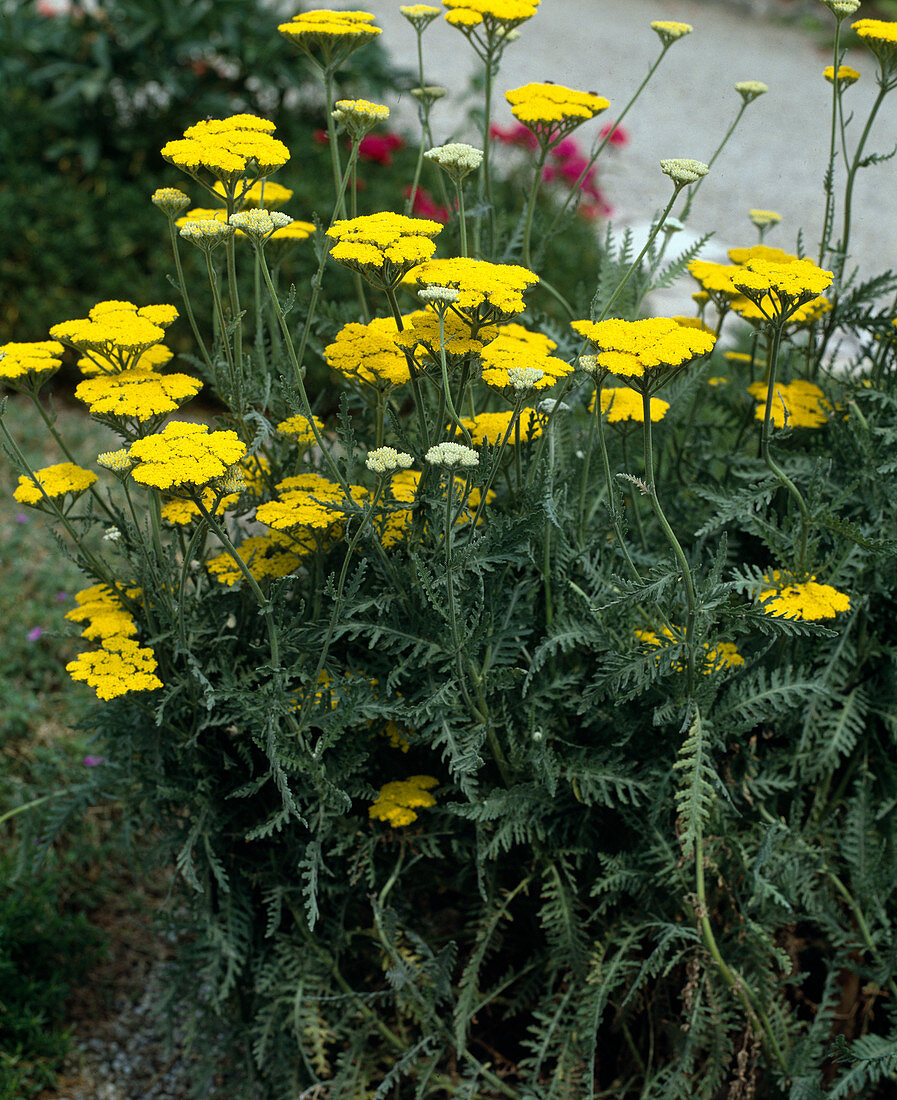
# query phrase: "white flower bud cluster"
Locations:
[[170, 200], [457, 159], [683, 170], [749, 90], [259, 224], [524, 378], [206, 232], [452, 455], [842, 7], [431, 294], [386, 460]]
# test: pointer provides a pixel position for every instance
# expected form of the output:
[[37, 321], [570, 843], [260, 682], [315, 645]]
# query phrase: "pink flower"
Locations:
[[379, 147], [572, 168], [61, 597], [618, 136], [93, 761], [514, 135], [565, 148], [34, 633], [21, 517], [425, 206]]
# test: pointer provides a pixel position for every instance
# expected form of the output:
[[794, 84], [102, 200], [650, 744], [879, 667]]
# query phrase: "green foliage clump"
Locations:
[[512, 731]]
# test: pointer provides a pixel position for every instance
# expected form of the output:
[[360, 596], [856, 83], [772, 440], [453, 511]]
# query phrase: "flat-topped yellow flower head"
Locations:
[[115, 334], [308, 501], [489, 24], [55, 482], [880, 35], [135, 395], [487, 293], [420, 16], [368, 353], [382, 247], [516, 348], [120, 666], [396, 802], [28, 364], [779, 288], [846, 75], [492, 427], [184, 454], [228, 149], [552, 111], [806, 600], [622, 405], [644, 354], [329, 37], [799, 404]]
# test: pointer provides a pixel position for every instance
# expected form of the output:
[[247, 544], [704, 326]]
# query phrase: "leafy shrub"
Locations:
[[504, 744]]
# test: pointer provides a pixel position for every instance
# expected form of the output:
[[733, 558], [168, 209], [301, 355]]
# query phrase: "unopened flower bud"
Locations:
[[386, 460], [452, 455]]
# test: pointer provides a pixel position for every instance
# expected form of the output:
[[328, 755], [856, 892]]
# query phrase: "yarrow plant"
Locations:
[[515, 712]]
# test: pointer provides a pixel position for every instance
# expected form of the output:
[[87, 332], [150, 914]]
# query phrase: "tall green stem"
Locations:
[[531, 206], [765, 449], [690, 598], [691, 195], [182, 285], [829, 181], [844, 242]]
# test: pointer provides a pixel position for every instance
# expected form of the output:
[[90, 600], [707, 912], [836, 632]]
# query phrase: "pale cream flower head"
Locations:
[[521, 379], [683, 170], [117, 461], [259, 224], [359, 116], [669, 31], [420, 16], [764, 218], [842, 8], [438, 295], [451, 456], [457, 159], [386, 460], [749, 90], [429, 93], [206, 233], [170, 200]]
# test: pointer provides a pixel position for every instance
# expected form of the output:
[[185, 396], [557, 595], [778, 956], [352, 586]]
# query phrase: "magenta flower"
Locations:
[[93, 761], [21, 517], [34, 633]]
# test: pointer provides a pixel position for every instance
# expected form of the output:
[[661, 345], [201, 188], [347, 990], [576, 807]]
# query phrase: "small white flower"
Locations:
[[259, 224], [548, 405], [683, 170], [524, 378], [749, 90], [457, 159], [452, 455], [386, 460], [112, 534], [429, 294]]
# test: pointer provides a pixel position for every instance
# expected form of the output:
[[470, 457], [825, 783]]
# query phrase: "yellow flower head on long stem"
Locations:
[[184, 454], [329, 37], [55, 482], [800, 404], [382, 247], [29, 363], [487, 293], [228, 148], [807, 600], [396, 802], [552, 111]]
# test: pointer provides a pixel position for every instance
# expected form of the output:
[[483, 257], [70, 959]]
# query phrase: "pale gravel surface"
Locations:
[[776, 160]]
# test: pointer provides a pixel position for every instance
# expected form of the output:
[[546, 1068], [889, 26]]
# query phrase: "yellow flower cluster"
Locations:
[[801, 403], [228, 148], [304, 501], [487, 293], [120, 666], [495, 16], [55, 481], [490, 427], [805, 600], [267, 556], [397, 801], [722, 283], [644, 353], [368, 353], [553, 111], [716, 657], [262, 193], [32, 362], [182, 512], [331, 32], [516, 347], [136, 394], [184, 453], [881, 38], [115, 334], [778, 287], [421, 336], [383, 246], [846, 75], [102, 610], [299, 429], [622, 405]]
